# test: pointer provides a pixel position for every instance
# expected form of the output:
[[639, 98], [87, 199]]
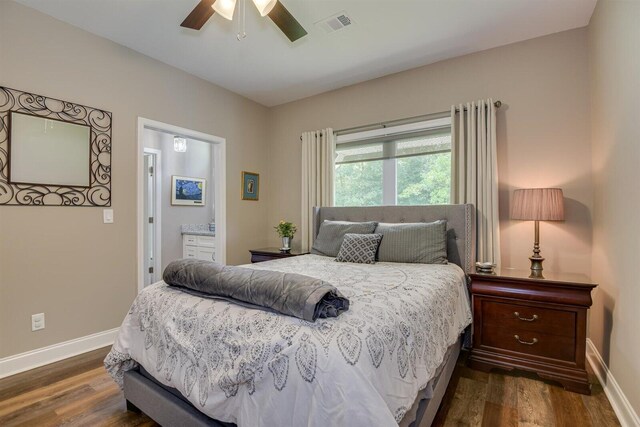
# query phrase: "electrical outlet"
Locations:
[[37, 322]]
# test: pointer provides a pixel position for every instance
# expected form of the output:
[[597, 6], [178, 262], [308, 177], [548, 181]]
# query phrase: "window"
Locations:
[[401, 165]]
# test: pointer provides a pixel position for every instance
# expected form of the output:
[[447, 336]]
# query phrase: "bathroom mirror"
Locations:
[[48, 152]]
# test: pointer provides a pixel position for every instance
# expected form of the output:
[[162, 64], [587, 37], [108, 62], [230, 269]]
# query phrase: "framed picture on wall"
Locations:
[[188, 191], [250, 186]]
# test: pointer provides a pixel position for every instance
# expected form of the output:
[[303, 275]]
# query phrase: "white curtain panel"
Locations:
[[318, 154], [474, 171]]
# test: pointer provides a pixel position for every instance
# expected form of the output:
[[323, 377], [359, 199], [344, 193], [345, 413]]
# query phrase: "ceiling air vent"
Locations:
[[335, 22]]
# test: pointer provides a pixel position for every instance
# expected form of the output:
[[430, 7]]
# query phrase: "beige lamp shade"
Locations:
[[538, 204]]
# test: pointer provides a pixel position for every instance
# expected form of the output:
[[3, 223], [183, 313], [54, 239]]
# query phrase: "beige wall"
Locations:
[[614, 48], [45, 261], [543, 139]]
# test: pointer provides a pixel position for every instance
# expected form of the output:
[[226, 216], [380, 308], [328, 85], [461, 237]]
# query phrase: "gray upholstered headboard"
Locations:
[[461, 224]]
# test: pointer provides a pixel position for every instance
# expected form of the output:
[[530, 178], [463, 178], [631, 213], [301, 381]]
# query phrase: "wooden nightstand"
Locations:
[[268, 254], [537, 325]]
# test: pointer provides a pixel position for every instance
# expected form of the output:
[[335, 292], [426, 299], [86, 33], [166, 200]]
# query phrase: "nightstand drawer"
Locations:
[[529, 317], [262, 258], [527, 342]]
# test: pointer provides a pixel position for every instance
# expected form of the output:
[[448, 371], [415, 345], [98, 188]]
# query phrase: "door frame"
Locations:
[[157, 209], [220, 185]]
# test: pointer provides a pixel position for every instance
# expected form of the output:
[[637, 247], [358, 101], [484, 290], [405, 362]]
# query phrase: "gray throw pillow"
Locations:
[[422, 242], [359, 248], [332, 233]]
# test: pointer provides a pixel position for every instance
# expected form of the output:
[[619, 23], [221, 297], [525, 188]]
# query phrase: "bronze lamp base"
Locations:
[[536, 259]]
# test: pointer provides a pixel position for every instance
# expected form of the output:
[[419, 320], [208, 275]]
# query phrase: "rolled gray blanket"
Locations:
[[287, 293]]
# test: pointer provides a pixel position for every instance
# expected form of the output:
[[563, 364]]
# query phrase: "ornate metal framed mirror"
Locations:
[[52, 152]]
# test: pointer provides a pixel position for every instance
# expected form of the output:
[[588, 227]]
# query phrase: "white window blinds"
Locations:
[[393, 147]]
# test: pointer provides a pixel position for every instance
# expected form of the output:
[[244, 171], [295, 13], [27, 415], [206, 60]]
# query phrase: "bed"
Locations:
[[186, 360]]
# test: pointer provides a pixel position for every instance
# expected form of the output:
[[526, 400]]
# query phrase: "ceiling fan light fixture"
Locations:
[[179, 144], [264, 6], [225, 8]]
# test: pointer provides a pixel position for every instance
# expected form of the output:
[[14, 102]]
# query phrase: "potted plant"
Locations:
[[286, 230]]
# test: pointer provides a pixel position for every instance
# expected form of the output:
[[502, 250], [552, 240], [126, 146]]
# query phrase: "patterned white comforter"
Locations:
[[257, 368]]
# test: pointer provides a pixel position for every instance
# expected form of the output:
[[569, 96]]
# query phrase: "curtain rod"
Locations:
[[383, 125]]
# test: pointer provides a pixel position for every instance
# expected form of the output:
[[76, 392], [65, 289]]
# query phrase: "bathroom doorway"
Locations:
[[181, 197]]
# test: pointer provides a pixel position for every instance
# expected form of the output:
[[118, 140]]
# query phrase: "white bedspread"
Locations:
[[257, 368]]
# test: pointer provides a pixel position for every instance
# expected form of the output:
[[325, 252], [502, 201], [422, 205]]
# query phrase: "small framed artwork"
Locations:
[[250, 186], [188, 191]]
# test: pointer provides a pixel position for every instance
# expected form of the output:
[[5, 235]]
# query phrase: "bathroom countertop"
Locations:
[[197, 230]]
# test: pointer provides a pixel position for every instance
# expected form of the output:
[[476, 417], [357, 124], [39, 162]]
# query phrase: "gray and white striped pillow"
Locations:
[[359, 248], [421, 242], [332, 233]]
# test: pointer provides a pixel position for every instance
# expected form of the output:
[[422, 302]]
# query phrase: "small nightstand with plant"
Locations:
[[285, 230]]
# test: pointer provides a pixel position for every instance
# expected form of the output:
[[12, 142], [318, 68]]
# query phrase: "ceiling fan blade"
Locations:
[[199, 15], [286, 22]]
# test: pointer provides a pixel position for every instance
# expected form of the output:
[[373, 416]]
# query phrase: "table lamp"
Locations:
[[537, 204]]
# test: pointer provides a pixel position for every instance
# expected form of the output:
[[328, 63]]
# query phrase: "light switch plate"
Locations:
[[37, 322], [107, 216]]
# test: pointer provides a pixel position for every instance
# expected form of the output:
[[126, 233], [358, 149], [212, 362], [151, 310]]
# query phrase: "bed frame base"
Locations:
[[426, 409], [168, 410], [133, 408], [143, 395]]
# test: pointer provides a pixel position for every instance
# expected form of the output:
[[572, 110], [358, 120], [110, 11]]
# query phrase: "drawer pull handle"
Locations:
[[530, 319], [532, 342]]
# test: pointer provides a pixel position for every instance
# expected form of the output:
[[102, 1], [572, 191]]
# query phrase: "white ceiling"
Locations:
[[387, 37]]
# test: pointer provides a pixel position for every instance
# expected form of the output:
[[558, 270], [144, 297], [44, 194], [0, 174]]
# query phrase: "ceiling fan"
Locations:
[[225, 8]]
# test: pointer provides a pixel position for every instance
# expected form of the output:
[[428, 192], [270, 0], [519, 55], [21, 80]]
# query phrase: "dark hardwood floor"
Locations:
[[79, 392]]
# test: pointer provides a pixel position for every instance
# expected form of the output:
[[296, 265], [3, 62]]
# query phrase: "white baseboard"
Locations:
[[43, 356], [621, 406]]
